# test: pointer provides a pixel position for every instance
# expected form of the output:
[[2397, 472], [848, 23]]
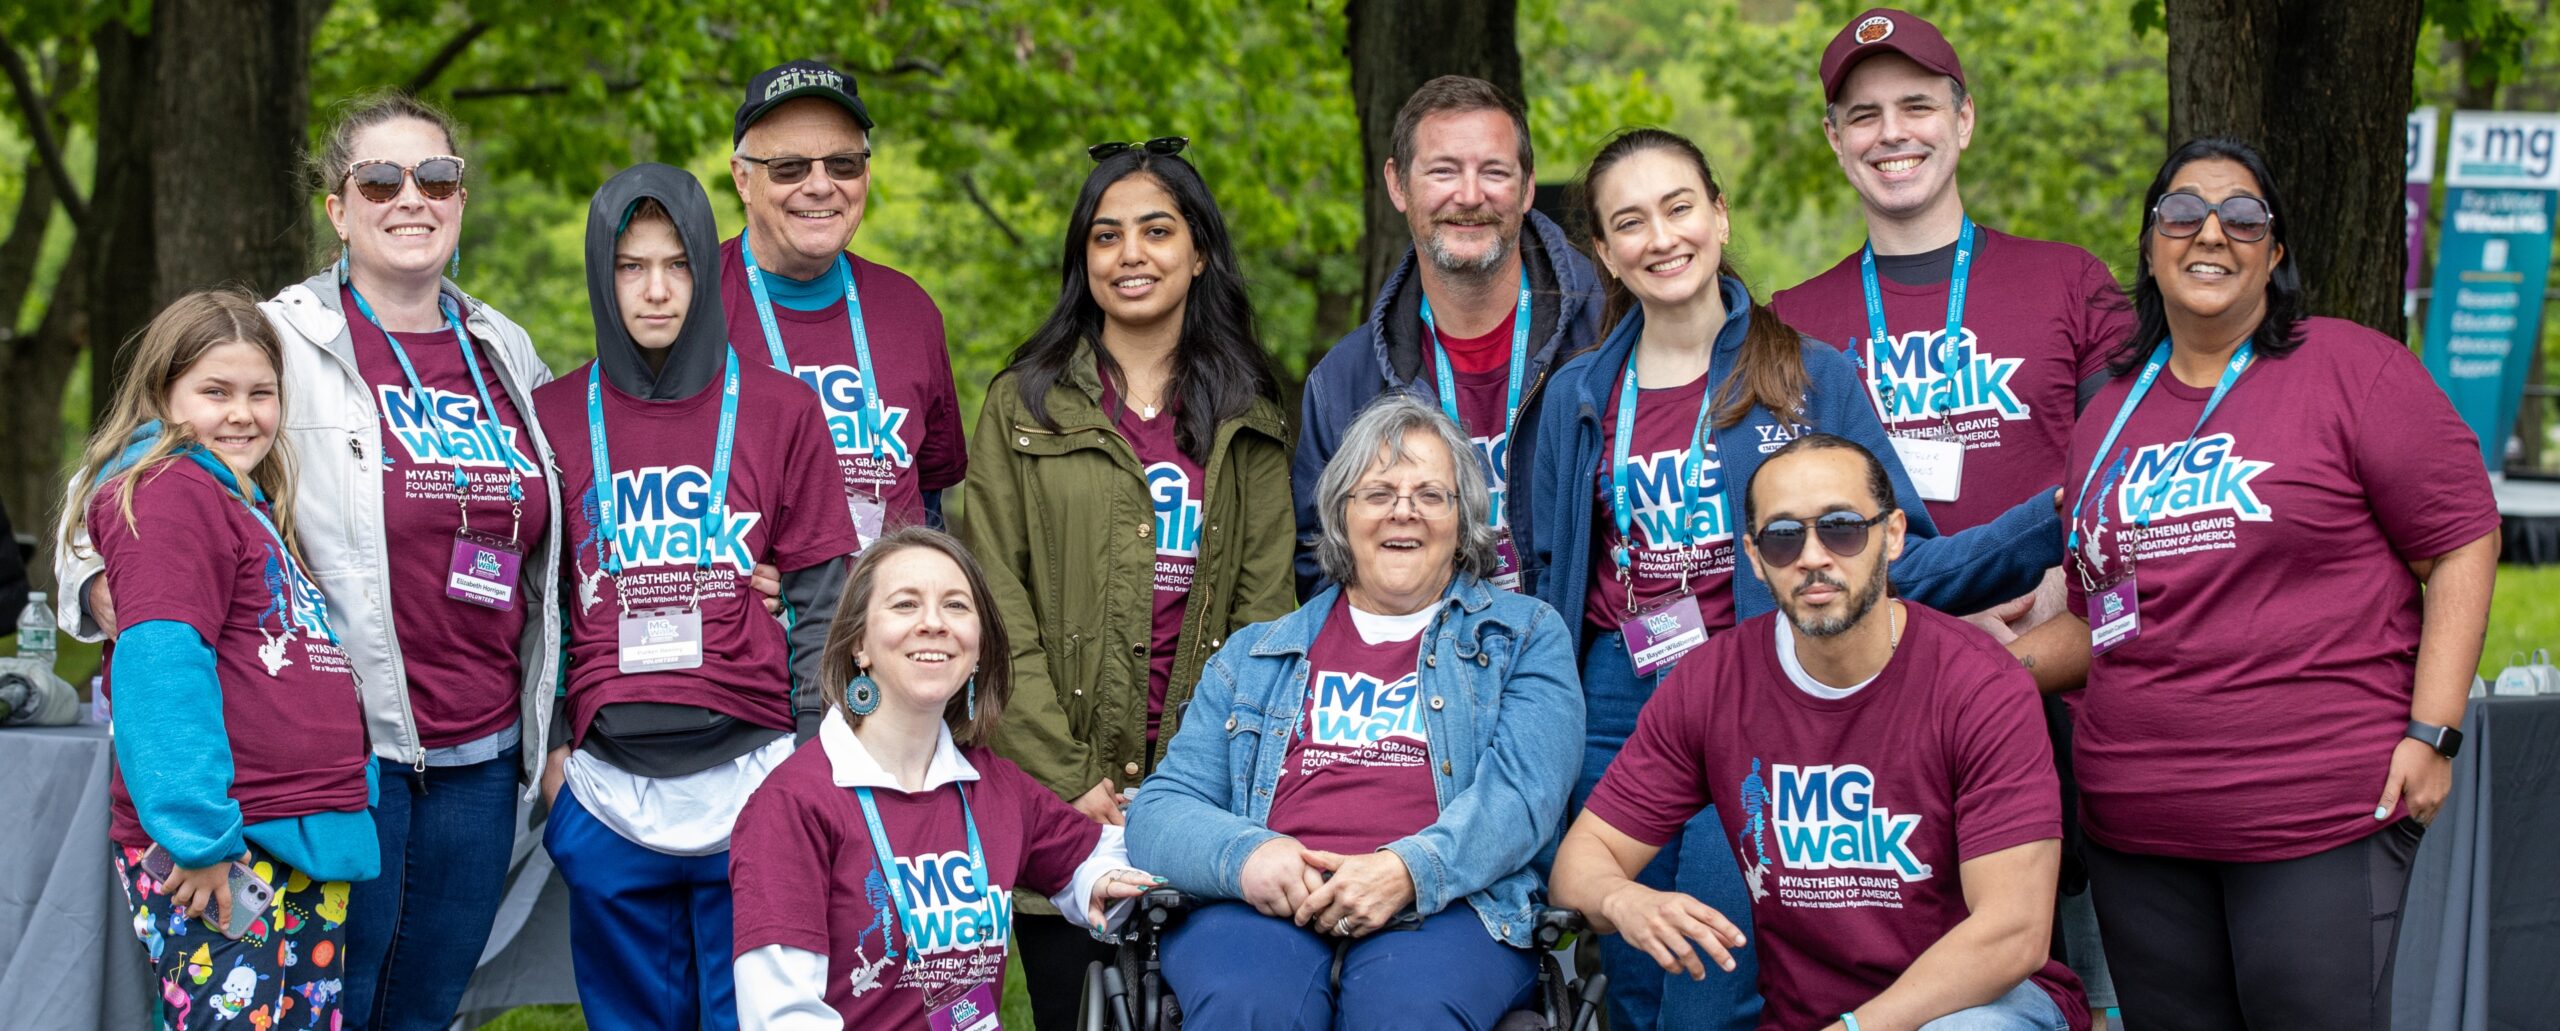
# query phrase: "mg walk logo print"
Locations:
[[1495, 451], [855, 428], [1656, 486], [1838, 846], [1177, 510], [952, 910], [2207, 476], [449, 429], [1920, 377], [659, 515], [1359, 711]]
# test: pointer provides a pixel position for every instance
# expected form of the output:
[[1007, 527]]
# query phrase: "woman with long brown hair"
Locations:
[[1640, 444]]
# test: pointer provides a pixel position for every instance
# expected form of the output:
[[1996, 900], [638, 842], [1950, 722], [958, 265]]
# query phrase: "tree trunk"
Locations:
[[117, 255], [232, 104], [2323, 90], [1395, 46]]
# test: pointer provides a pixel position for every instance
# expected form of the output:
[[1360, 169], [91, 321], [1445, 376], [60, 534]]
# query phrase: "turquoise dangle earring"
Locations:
[[454, 270], [973, 693], [862, 696]]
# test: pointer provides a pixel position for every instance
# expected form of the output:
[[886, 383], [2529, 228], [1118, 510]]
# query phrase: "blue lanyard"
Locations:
[[1878, 337], [1689, 477], [872, 406], [418, 392], [1449, 380], [250, 499], [897, 885], [716, 503], [2239, 363]]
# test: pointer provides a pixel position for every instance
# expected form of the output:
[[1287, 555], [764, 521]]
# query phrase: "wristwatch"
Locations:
[[2445, 740]]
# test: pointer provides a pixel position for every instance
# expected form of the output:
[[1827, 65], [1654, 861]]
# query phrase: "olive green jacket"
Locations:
[[1063, 524]]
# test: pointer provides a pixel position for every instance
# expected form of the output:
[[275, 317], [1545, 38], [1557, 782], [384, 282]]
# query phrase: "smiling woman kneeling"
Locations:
[[872, 868], [1399, 744]]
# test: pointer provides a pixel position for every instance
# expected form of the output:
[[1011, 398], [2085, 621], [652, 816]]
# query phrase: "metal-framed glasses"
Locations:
[[1843, 535], [1428, 502], [784, 171]]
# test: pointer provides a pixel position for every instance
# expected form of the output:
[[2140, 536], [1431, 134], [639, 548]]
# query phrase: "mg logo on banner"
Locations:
[[2493, 259]]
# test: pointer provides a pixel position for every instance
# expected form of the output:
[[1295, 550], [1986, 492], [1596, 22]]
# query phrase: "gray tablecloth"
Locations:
[[68, 958], [2482, 922], [2481, 927]]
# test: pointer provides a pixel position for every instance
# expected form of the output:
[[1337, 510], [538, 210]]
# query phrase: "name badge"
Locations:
[[972, 1011], [1507, 577], [2113, 617], [868, 516], [484, 568], [661, 639], [1936, 466], [1661, 634]]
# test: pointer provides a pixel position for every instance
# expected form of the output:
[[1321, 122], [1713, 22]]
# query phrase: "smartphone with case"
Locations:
[[250, 894]]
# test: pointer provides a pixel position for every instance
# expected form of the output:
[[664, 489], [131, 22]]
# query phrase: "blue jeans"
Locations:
[[1641, 995], [1231, 967], [649, 932], [418, 929], [2025, 1008]]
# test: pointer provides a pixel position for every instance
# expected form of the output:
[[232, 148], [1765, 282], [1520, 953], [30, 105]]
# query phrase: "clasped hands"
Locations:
[[1326, 892]]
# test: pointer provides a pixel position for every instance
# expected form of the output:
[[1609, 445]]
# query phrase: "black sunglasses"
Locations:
[[843, 168], [379, 181], [1844, 535], [2181, 215], [1161, 146]]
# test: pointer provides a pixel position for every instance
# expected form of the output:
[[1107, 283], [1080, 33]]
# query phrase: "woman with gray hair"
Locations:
[[1402, 742]]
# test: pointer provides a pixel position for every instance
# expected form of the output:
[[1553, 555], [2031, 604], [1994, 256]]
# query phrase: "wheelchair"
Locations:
[[1128, 994]]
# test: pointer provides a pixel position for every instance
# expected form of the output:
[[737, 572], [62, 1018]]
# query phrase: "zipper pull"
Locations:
[[356, 444]]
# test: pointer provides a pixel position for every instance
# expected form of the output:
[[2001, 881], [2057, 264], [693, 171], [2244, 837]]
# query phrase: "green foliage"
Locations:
[[984, 111], [2493, 32], [2068, 116]]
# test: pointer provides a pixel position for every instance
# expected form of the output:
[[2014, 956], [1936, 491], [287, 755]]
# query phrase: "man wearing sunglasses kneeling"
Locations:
[[1881, 775], [862, 334]]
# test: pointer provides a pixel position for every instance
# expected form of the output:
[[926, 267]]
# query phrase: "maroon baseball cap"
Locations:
[[1883, 29]]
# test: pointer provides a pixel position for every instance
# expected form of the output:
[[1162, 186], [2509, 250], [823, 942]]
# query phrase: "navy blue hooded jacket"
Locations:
[[1385, 353]]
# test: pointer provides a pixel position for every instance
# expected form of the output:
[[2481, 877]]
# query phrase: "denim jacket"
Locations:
[[1962, 572], [1503, 714]]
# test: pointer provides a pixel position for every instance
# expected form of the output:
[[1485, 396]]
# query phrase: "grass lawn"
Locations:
[[2524, 616]]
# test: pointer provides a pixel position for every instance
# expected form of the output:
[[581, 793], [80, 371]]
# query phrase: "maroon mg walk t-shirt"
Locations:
[[783, 507], [805, 875], [463, 667], [1358, 772], [1670, 533], [193, 553], [2254, 716], [917, 446], [1176, 486], [1481, 367], [1849, 817], [2039, 317]]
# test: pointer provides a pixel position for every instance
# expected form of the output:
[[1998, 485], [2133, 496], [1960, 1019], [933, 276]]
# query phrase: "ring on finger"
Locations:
[[1342, 926]]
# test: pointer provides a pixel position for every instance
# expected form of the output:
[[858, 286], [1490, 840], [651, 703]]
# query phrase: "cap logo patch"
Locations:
[[1874, 30], [797, 78]]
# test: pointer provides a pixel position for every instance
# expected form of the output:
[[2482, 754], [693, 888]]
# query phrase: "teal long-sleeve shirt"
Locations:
[[175, 755]]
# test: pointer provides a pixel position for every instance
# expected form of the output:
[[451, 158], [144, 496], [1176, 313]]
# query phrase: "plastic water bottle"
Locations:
[[35, 631]]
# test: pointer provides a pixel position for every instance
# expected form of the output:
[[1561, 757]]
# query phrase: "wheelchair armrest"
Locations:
[[1159, 906], [1554, 924]]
